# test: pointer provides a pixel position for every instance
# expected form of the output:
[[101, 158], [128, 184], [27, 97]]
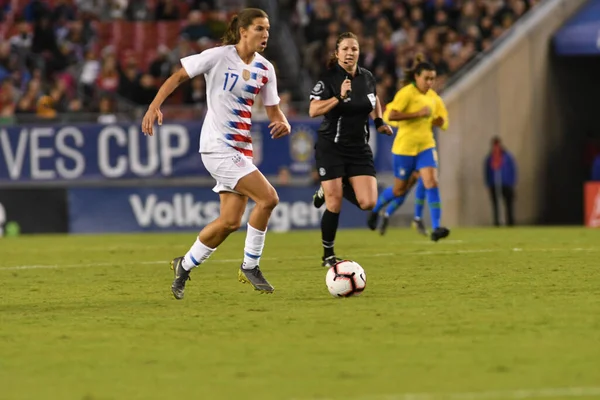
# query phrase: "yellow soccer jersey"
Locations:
[[415, 135]]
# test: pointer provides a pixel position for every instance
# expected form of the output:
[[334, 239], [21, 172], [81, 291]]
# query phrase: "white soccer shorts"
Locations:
[[227, 169]]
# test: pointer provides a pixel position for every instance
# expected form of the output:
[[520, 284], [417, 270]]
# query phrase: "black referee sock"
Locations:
[[329, 225]]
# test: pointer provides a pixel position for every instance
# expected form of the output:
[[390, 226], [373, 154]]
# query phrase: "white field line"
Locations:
[[233, 260], [544, 393]]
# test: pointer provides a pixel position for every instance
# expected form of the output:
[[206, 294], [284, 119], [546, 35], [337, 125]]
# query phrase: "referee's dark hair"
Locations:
[[418, 66], [333, 58]]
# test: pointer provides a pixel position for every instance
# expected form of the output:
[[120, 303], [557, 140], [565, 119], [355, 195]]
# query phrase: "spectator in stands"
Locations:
[[160, 67], [203, 5], [196, 27], [90, 7], [35, 10], [27, 103], [501, 178], [449, 32], [181, 50], [63, 11], [56, 35], [21, 40], [115, 9], [4, 8], [129, 75], [145, 90], [45, 46], [137, 10], [196, 92], [89, 73], [371, 56], [6, 60], [45, 108], [75, 106], [217, 23], [166, 10], [108, 78], [106, 110], [59, 96], [44, 38], [8, 98]]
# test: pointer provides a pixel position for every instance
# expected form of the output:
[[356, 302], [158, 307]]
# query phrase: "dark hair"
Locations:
[[242, 20], [333, 58], [419, 65]]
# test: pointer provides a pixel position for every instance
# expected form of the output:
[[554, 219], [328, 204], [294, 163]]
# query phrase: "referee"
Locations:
[[346, 95]]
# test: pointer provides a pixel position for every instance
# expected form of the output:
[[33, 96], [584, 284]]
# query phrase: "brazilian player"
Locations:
[[440, 120], [416, 108]]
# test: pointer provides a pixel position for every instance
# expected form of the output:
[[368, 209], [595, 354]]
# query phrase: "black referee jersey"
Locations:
[[347, 123]]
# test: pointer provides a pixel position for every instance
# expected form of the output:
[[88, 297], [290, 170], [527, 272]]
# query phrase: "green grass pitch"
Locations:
[[486, 314]]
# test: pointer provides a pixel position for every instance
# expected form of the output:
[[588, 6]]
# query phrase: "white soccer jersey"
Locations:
[[231, 87]]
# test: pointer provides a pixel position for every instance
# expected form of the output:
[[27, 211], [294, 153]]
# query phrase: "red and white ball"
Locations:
[[346, 278]]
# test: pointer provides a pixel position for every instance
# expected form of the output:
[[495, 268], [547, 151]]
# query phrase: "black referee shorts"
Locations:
[[337, 161]]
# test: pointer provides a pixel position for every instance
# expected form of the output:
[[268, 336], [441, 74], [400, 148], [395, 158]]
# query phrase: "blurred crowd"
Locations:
[[78, 56], [62, 56], [448, 32]]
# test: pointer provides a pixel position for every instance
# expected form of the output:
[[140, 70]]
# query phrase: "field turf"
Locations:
[[486, 314]]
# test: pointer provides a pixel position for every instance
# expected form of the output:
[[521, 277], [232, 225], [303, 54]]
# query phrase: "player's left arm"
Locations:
[[279, 124], [441, 113], [377, 114]]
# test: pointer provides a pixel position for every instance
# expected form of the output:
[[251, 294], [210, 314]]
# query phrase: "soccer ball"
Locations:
[[346, 278]]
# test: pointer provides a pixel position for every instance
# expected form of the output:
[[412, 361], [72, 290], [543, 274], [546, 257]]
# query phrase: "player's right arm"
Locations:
[[323, 98], [396, 110], [193, 66], [165, 91]]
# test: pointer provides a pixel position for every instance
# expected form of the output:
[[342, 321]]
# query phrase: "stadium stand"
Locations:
[[75, 57]]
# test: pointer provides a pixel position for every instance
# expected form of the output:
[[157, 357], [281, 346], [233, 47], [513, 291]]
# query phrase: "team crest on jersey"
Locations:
[[246, 74]]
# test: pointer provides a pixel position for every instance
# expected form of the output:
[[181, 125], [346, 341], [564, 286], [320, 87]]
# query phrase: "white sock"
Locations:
[[197, 255], [255, 241]]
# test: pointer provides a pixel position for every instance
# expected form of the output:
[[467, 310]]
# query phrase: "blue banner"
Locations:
[[82, 153], [187, 209], [581, 34]]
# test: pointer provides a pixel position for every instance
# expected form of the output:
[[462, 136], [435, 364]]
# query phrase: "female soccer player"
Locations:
[[415, 106], [235, 73], [345, 94], [440, 120]]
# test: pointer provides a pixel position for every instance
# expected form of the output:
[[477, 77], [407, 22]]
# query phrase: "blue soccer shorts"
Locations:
[[404, 166]]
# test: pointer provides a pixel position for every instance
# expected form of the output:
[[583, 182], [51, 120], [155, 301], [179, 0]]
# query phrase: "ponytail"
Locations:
[[232, 34], [419, 65], [332, 60]]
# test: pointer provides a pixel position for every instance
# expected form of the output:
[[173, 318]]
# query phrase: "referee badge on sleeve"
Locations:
[[319, 88], [373, 99]]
